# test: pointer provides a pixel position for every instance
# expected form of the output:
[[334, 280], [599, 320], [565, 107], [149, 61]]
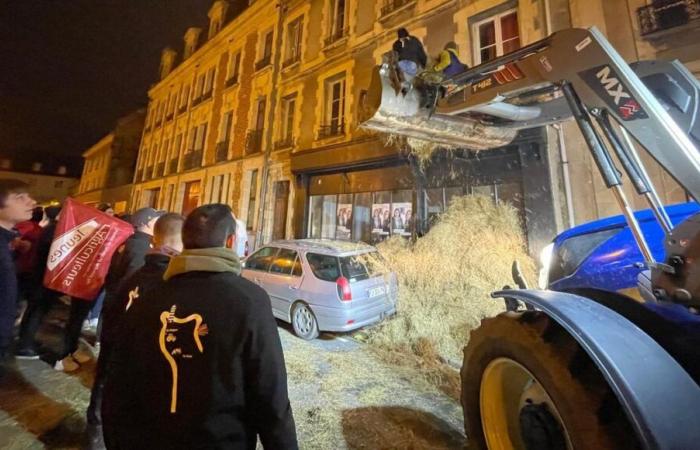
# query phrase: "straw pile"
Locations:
[[446, 278]]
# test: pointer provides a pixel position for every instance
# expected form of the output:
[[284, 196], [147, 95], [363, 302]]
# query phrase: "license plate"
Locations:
[[377, 291]]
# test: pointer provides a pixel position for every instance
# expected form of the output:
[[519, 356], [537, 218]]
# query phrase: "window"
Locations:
[[260, 114], [200, 86], [184, 97], [324, 267], [338, 14], [164, 151], [225, 127], [219, 188], [267, 46], [177, 146], [496, 36], [283, 262], [334, 112], [293, 43], [261, 259], [233, 69], [209, 81], [252, 196], [288, 107], [169, 197], [58, 184], [200, 137]]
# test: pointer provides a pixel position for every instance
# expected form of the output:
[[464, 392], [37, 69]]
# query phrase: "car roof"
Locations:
[[644, 217], [324, 246]]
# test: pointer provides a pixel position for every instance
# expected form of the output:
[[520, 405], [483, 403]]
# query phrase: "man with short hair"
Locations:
[[16, 205], [167, 242], [200, 364], [411, 55]]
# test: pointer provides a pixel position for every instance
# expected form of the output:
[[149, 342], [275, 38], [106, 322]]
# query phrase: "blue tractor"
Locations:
[[582, 365]]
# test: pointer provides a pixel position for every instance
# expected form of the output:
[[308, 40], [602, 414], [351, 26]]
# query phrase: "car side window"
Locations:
[[283, 263], [261, 259], [297, 270], [324, 267]]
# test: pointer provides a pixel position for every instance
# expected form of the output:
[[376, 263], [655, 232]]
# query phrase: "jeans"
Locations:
[[79, 310], [38, 304], [409, 69], [97, 306]]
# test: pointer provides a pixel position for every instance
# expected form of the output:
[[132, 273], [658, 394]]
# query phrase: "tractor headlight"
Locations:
[[545, 262]]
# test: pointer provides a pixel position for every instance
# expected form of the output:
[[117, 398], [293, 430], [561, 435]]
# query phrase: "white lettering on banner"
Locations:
[[85, 254], [66, 243]]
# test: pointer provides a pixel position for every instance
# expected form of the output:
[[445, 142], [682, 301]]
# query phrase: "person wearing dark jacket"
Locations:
[[16, 205], [411, 55], [198, 362], [42, 298], [167, 242], [126, 261]]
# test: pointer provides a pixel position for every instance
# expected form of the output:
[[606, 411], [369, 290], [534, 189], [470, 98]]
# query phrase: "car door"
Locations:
[[284, 280], [257, 266]]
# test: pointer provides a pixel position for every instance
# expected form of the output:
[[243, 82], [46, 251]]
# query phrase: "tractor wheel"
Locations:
[[526, 384]]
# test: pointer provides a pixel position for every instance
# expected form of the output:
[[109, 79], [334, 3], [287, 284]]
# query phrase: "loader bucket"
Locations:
[[386, 109]]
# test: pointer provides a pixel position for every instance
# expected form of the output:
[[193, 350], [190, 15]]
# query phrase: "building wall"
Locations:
[[44, 189], [371, 30]]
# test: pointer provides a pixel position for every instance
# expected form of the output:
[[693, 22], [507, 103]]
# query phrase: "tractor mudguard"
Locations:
[[660, 399]]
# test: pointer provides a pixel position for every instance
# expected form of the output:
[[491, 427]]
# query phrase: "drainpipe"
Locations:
[[565, 174], [276, 68]]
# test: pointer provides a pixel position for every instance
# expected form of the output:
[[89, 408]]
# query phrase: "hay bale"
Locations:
[[447, 276]]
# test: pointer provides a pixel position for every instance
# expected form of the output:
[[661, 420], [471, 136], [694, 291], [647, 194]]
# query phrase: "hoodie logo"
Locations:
[[609, 86], [68, 242]]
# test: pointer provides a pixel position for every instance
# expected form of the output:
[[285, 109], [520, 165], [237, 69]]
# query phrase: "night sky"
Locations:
[[71, 68]]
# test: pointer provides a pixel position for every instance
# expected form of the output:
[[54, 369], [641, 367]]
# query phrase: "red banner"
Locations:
[[82, 250]]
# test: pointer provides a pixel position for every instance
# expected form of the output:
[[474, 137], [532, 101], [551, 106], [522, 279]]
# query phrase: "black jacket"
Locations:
[[8, 288], [130, 290], [164, 390], [127, 260], [411, 49]]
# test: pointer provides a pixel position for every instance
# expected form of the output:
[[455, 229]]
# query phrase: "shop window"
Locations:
[[361, 217], [315, 216], [496, 36], [488, 190], [329, 217], [381, 216], [402, 213], [344, 216]]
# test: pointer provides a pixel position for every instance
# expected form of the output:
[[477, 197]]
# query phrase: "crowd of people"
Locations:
[[189, 353]]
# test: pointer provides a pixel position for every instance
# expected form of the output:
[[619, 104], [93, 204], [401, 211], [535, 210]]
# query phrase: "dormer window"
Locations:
[[214, 28], [217, 14], [191, 40]]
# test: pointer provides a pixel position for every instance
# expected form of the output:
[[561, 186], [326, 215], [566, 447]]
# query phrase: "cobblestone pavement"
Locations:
[[342, 395]]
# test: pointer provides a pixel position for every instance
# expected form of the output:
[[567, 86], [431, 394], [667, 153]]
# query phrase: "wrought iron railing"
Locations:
[[335, 36], [285, 142], [667, 14], [222, 151], [264, 62], [232, 80], [196, 101], [192, 160], [173, 166], [291, 60], [391, 6], [253, 142], [332, 130]]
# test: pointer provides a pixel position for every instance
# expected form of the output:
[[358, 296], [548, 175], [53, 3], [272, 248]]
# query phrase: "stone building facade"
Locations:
[[109, 165], [261, 112]]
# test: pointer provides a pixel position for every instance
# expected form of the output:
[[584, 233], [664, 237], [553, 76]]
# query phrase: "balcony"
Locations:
[[222, 151], [193, 160], [667, 14], [232, 81], [207, 95], [335, 37], [160, 169], [253, 142], [285, 142], [196, 101], [264, 62], [392, 6], [332, 130], [173, 166], [291, 61]]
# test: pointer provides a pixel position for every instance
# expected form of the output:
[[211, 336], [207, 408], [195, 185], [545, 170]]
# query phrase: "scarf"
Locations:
[[217, 259]]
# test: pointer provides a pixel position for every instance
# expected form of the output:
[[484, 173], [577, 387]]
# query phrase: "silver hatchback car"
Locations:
[[323, 285]]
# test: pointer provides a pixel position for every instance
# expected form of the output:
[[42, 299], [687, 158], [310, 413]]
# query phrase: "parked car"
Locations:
[[323, 285], [603, 254]]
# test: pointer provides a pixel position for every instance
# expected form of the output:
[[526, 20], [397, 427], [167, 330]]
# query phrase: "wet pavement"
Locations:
[[343, 397]]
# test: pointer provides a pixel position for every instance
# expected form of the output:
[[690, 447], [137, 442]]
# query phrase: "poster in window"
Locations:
[[381, 219], [343, 221], [402, 218]]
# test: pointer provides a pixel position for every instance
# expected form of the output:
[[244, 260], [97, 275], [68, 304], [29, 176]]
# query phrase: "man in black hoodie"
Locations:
[[167, 242], [198, 362], [411, 55]]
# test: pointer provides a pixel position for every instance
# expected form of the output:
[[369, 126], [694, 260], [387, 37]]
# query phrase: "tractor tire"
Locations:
[[532, 351]]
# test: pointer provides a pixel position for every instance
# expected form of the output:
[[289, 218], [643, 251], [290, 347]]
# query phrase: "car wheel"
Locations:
[[304, 322], [527, 384]]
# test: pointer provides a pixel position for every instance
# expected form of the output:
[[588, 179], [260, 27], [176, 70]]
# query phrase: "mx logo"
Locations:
[[607, 84]]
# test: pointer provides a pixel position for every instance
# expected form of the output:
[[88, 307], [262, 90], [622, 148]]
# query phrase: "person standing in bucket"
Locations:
[[448, 61], [200, 364], [411, 56]]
